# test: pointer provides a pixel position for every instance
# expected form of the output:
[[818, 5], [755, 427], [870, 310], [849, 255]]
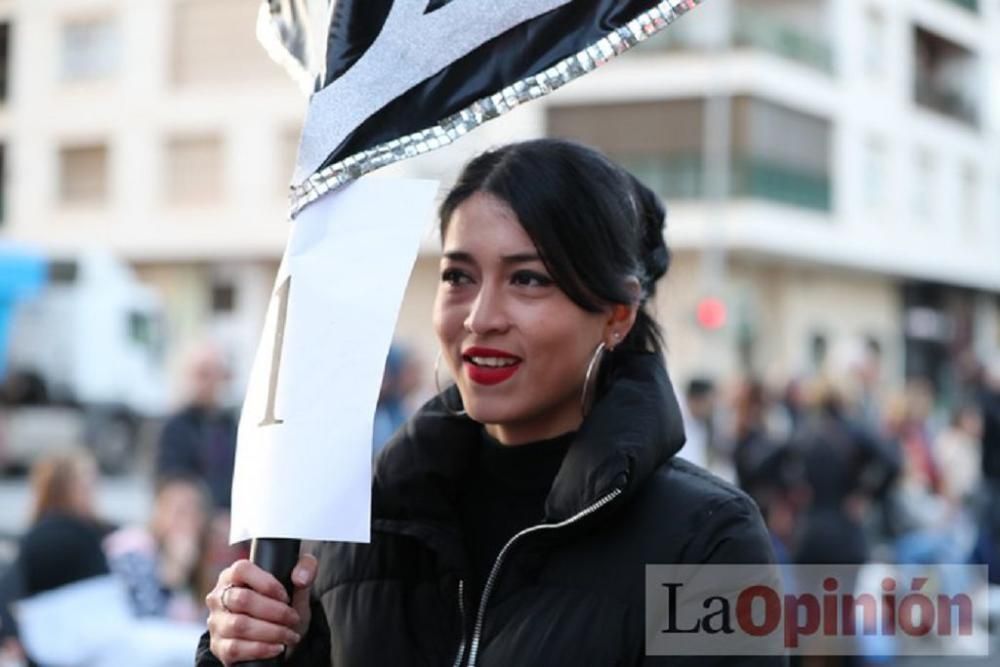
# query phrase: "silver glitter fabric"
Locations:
[[451, 128], [410, 48]]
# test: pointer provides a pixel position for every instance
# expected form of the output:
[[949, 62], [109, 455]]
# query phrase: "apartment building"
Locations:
[[832, 169], [159, 129]]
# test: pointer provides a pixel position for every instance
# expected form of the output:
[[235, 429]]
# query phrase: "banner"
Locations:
[[303, 457]]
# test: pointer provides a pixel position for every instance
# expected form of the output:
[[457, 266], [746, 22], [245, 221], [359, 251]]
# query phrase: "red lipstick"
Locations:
[[488, 366]]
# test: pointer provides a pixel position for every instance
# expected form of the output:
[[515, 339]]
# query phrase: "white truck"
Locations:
[[81, 356]]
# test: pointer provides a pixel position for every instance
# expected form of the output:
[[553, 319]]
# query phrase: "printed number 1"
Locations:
[[279, 336]]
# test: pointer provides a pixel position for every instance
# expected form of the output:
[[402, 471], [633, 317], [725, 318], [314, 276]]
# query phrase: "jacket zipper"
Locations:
[[461, 612], [494, 572]]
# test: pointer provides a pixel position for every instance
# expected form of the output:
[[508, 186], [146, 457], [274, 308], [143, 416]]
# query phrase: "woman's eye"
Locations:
[[530, 279], [454, 277]]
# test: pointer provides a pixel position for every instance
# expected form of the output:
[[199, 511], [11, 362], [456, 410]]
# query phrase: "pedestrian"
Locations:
[[847, 469], [400, 379], [200, 439], [61, 547], [63, 513], [958, 448], [161, 562], [698, 412], [514, 516]]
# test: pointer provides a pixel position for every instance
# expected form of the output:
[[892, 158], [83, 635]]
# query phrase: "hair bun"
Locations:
[[652, 215]]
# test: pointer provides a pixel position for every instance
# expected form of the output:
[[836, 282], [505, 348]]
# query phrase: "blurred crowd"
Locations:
[[134, 594], [84, 591], [843, 470], [847, 471]]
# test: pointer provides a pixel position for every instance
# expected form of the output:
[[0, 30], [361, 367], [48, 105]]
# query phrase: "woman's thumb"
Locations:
[[305, 571]]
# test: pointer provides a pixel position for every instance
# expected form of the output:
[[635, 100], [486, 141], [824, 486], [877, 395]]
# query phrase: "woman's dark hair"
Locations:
[[594, 224]]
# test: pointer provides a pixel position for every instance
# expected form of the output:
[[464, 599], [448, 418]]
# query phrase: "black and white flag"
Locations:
[[401, 78]]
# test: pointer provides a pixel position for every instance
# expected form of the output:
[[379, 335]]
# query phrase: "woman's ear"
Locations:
[[621, 318]]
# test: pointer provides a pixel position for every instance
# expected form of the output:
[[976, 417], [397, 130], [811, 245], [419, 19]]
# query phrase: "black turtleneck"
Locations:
[[505, 494]]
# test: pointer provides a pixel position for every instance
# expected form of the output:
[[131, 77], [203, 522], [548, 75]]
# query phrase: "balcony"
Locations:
[[776, 153], [758, 30], [682, 177], [756, 27], [971, 5]]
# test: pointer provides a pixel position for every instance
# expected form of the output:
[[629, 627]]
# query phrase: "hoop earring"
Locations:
[[591, 376], [437, 385]]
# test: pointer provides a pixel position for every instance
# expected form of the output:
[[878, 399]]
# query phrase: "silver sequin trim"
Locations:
[[451, 128]]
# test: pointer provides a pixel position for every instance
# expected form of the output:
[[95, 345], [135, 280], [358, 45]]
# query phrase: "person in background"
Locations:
[[846, 467], [987, 548], [401, 377], [698, 412], [200, 439], [62, 545], [917, 504], [868, 376], [958, 450], [753, 443], [161, 563], [989, 405], [63, 513], [767, 468]]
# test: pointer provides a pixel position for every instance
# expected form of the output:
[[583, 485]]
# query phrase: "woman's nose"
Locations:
[[487, 313]]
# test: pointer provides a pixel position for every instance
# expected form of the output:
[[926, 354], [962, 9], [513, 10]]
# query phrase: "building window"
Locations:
[[818, 348], [83, 174], [924, 185], [874, 174], [214, 42], [195, 170], [4, 60], [875, 43], [3, 183], [946, 77], [223, 298], [969, 193], [91, 49]]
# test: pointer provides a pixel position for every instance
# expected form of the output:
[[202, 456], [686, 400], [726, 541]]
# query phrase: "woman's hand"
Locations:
[[250, 615]]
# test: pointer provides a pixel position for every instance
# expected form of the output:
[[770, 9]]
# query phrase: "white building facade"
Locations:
[[161, 130], [832, 168]]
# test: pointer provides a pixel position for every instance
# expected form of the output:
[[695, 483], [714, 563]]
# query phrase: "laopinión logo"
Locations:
[[817, 610]]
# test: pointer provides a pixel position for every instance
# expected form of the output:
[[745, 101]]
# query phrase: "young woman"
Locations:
[[514, 515]]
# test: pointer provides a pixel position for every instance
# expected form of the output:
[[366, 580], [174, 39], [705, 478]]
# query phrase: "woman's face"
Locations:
[[517, 346], [179, 511]]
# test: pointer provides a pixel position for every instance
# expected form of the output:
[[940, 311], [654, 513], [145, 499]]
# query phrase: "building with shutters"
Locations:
[[159, 129], [832, 169]]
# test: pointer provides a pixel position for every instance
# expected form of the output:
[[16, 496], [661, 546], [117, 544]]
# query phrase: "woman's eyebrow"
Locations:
[[459, 256], [521, 258], [516, 258]]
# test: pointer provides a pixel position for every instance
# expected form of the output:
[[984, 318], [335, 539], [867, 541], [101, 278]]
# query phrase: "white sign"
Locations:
[[304, 452]]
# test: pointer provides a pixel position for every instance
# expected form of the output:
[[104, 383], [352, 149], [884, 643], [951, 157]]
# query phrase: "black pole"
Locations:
[[277, 556]]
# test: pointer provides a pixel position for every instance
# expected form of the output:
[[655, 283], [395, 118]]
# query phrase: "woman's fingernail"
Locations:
[[299, 576], [277, 649]]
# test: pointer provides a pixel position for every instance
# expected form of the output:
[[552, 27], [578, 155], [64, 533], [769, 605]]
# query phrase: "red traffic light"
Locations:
[[711, 313]]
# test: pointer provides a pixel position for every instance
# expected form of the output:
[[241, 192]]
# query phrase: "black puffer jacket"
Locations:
[[567, 592]]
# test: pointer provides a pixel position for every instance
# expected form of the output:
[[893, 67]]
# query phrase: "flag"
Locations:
[[399, 79]]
